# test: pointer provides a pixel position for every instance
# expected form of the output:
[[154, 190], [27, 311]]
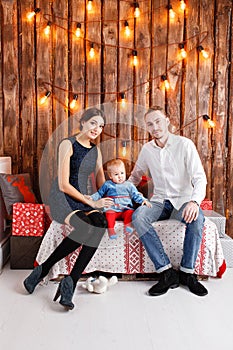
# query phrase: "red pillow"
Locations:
[[16, 188]]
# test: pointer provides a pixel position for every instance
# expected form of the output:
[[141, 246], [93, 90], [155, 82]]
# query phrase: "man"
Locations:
[[179, 187]]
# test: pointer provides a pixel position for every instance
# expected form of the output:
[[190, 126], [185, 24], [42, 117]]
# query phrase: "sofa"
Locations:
[[126, 254]]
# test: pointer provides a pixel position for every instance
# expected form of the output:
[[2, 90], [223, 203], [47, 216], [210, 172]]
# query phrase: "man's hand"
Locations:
[[190, 212], [147, 203]]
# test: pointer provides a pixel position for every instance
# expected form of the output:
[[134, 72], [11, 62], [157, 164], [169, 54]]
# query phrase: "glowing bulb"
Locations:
[[92, 51], [210, 123], [124, 150], [203, 52], [182, 5], [47, 28], [74, 101], [123, 100], [183, 53], [89, 5], [135, 58], [136, 10], [165, 81], [45, 97], [31, 14], [127, 30], [78, 30], [172, 14]]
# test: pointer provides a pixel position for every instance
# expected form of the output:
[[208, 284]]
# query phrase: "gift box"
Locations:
[[28, 219], [206, 204], [218, 219], [227, 247], [23, 251]]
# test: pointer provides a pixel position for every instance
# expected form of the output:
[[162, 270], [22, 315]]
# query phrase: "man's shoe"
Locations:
[[190, 280], [168, 279]]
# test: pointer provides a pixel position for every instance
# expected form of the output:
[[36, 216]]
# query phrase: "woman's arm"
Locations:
[[100, 177]]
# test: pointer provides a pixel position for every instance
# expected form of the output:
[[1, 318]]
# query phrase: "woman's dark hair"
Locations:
[[89, 113]]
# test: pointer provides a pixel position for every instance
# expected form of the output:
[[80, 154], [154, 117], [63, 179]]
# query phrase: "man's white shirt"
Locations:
[[176, 171]]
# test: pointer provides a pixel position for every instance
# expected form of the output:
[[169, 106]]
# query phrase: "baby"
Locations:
[[122, 192]]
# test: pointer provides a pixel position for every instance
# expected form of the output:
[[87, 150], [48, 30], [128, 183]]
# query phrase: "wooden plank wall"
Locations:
[[33, 64]]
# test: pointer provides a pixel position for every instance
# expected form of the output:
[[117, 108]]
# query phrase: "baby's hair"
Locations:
[[113, 163]]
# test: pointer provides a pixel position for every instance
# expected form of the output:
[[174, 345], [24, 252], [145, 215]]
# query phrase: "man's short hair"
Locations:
[[154, 109]]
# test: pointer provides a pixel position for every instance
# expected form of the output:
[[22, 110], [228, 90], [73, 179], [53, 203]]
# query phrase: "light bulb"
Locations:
[[124, 150], [92, 51], [123, 100], [182, 5], [45, 97], [203, 52], [135, 58], [74, 101], [172, 14], [183, 53], [89, 5], [210, 123], [127, 30], [78, 30], [47, 28], [165, 81], [31, 14], [166, 84], [136, 10]]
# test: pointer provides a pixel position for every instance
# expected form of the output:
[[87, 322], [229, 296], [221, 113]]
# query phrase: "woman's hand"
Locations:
[[103, 202]]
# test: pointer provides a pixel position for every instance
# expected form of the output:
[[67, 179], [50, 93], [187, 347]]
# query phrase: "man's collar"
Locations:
[[170, 141]]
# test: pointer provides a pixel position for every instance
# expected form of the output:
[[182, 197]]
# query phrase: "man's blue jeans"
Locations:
[[143, 218]]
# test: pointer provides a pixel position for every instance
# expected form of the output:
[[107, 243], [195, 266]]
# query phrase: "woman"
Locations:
[[78, 157]]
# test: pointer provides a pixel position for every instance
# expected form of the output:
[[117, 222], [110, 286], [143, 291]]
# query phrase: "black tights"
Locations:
[[88, 232]]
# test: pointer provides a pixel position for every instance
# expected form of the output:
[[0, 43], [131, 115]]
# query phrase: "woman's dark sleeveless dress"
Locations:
[[82, 164]]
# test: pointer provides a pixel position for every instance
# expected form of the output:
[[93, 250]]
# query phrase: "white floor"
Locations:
[[125, 317]]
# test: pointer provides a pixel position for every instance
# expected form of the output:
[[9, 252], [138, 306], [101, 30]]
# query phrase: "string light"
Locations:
[[124, 150], [135, 62], [45, 97], [92, 51], [48, 28], [89, 5], [210, 123], [135, 57], [172, 14], [127, 30], [73, 103], [123, 99], [165, 81], [203, 52], [136, 10], [31, 14], [183, 53], [78, 30], [182, 5]]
